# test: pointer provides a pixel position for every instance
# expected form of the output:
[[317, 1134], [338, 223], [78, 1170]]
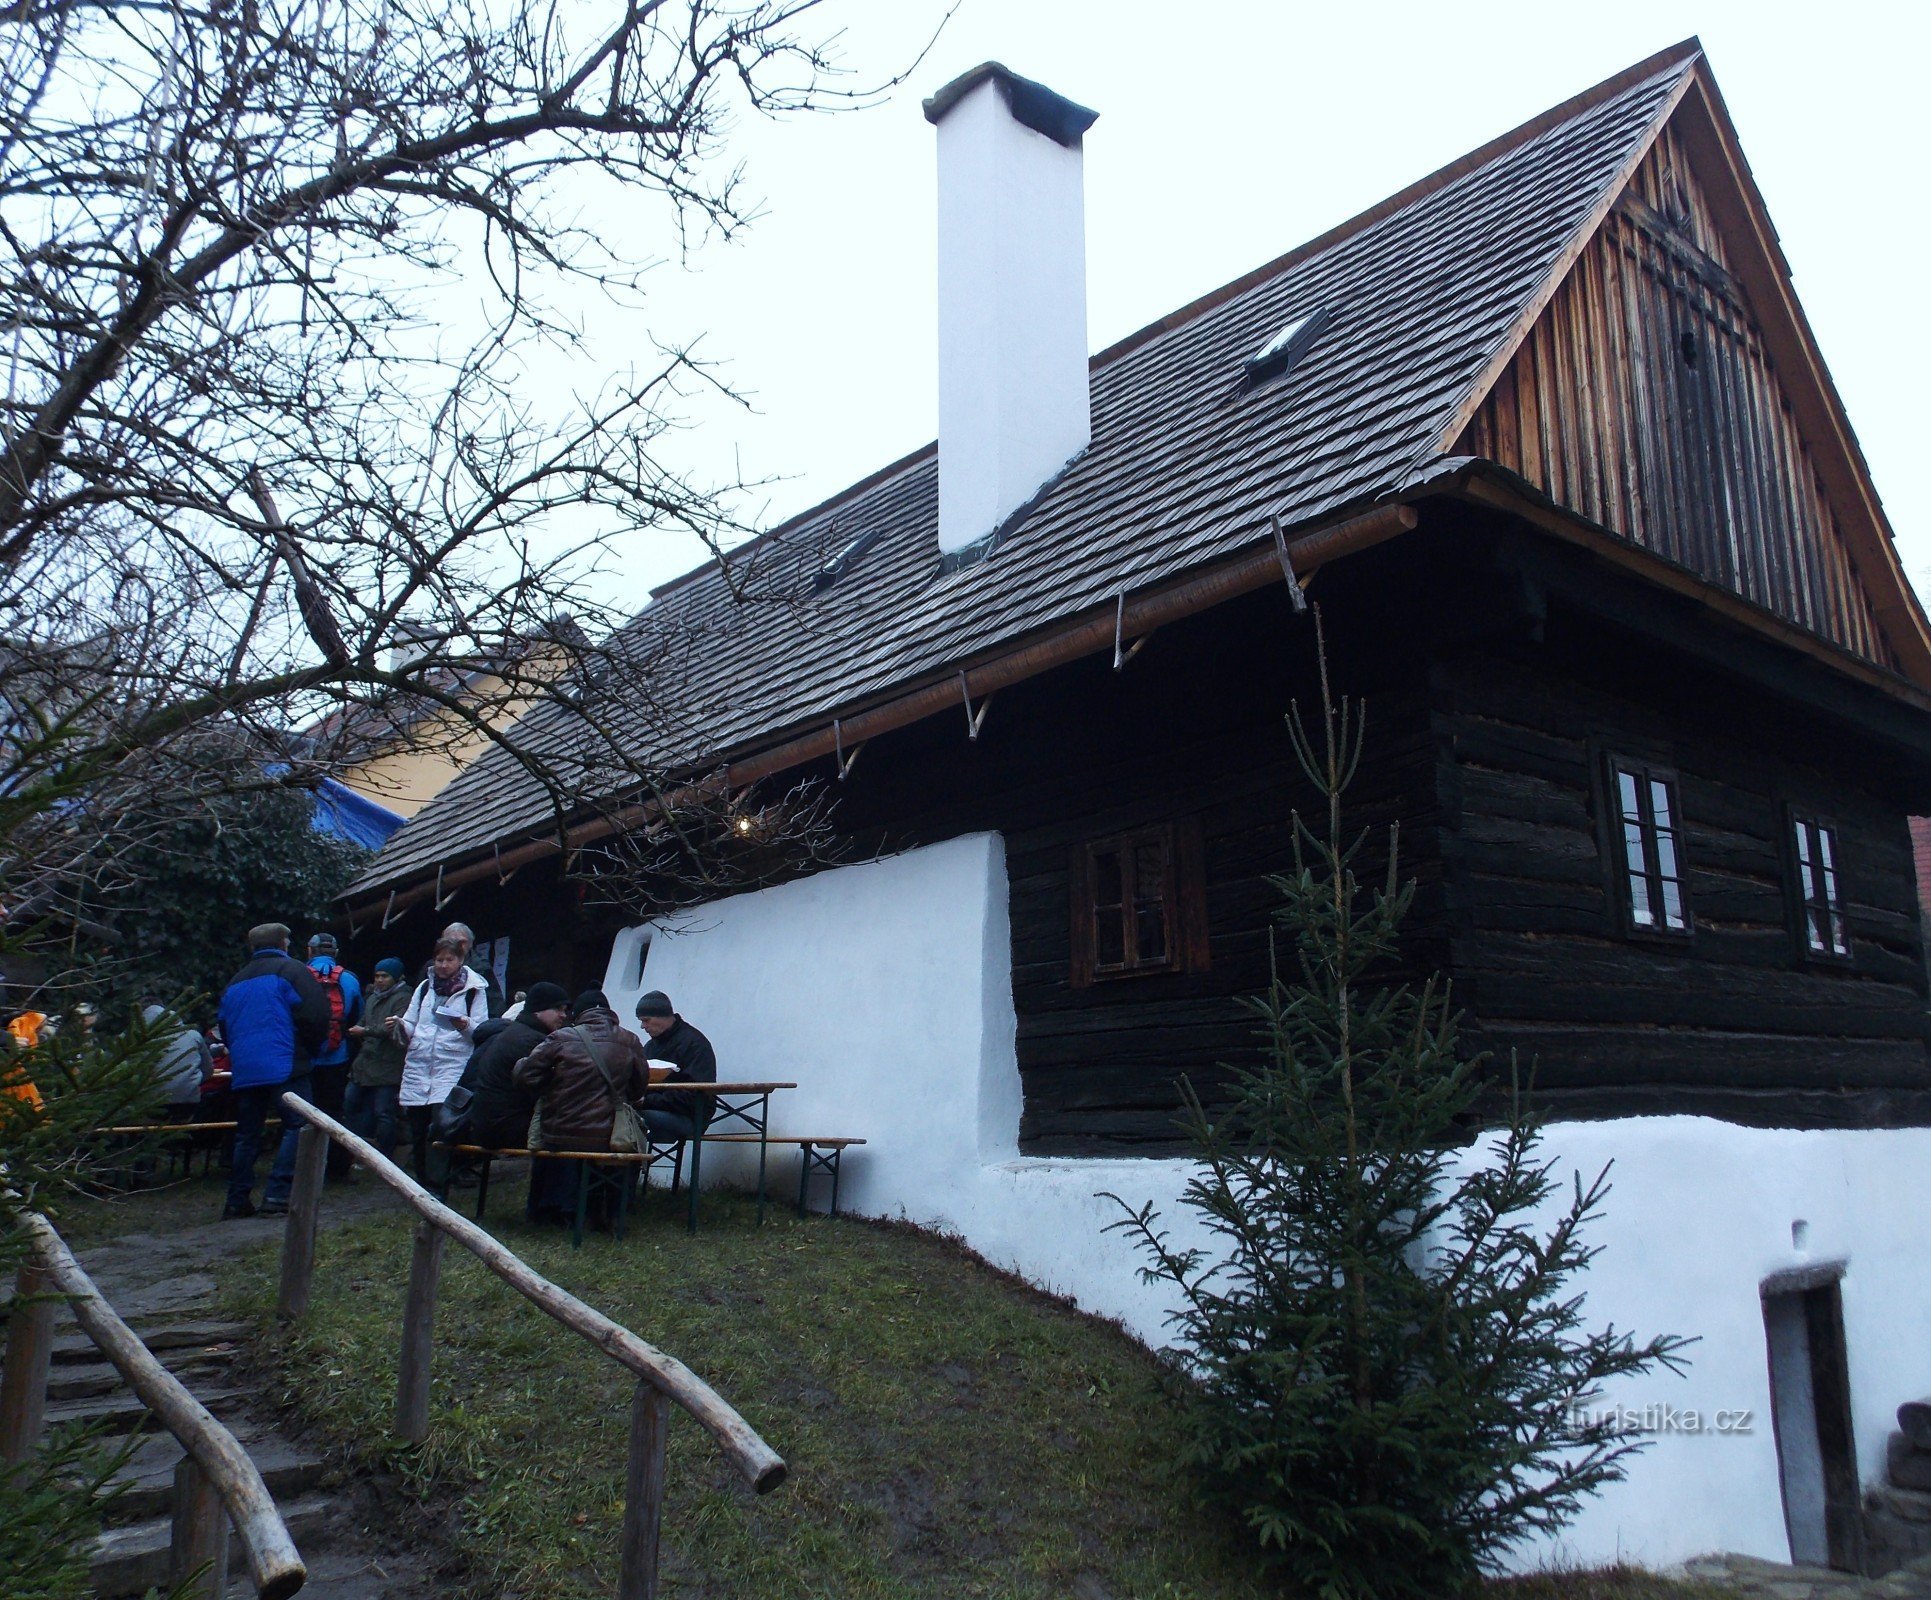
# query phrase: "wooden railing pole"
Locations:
[[418, 1333], [644, 1492], [30, 1352], [274, 1563], [304, 1215], [200, 1535]]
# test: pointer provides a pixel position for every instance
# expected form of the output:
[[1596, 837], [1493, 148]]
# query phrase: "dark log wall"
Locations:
[[1194, 727], [1644, 399], [1735, 1022]]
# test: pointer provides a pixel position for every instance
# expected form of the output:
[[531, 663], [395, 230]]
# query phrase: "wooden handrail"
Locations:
[[660, 1378], [216, 1464]]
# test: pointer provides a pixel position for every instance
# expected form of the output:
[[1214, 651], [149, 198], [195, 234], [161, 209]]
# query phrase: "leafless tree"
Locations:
[[272, 276]]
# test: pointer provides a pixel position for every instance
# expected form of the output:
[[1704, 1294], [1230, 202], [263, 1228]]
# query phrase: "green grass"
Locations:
[[950, 1432]]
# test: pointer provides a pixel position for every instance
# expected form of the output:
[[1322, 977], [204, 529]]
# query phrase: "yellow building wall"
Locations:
[[410, 773]]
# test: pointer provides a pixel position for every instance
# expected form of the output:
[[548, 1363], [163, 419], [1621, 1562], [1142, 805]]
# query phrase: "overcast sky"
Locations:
[[1229, 133]]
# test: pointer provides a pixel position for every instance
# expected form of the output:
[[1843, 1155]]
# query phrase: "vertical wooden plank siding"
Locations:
[[1644, 399]]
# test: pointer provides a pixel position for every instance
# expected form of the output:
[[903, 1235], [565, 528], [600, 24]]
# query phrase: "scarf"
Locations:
[[453, 984]]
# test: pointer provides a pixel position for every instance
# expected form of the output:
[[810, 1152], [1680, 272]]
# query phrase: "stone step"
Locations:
[[131, 1560], [175, 1334], [146, 1483], [1906, 1465], [80, 1380], [121, 1412]]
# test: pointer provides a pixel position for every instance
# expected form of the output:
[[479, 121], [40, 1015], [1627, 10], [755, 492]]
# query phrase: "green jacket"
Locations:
[[380, 1058]]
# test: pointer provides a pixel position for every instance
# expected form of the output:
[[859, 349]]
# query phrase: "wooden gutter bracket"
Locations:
[[1122, 651], [975, 720], [1294, 583], [845, 762], [387, 918]]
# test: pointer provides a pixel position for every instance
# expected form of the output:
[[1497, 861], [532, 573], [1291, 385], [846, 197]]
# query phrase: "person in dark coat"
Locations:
[[577, 1094], [375, 1075], [500, 1114], [273, 1016], [670, 1038]]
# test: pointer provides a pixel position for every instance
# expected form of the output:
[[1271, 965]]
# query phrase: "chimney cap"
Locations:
[[1032, 104]]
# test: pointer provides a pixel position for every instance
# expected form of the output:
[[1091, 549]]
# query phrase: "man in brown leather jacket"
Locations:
[[579, 1070], [577, 1073]]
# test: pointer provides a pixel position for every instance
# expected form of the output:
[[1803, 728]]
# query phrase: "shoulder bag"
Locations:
[[627, 1132]]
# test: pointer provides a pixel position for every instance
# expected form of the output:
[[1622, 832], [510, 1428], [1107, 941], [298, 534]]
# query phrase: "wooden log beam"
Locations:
[[30, 1353], [273, 1561], [761, 1466], [644, 1493], [418, 1333], [198, 1548], [304, 1217]]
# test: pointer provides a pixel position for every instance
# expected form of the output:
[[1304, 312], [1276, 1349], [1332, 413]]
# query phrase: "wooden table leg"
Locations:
[[583, 1205], [764, 1131], [697, 1146]]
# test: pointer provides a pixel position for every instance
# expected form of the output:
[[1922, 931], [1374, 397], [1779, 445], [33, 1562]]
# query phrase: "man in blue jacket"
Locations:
[[274, 1016], [343, 992]]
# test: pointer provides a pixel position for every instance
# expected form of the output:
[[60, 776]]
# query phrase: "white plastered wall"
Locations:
[[884, 991]]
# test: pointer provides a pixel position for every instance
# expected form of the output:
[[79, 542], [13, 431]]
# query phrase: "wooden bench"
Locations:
[[616, 1177], [816, 1155], [180, 1140]]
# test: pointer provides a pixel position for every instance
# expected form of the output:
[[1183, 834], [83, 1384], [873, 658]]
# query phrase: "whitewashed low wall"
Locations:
[[884, 991]]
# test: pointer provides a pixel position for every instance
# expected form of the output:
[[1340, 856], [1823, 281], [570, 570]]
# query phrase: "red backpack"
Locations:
[[331, 982]]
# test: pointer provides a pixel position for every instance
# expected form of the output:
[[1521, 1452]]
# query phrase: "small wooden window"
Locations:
[[1648, 841], [1137, 904], [1820, 887]]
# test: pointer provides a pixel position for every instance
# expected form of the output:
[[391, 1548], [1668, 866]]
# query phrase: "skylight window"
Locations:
[[1287, 347]]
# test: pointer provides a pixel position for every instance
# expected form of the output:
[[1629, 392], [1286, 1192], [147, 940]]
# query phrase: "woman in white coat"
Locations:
[[440, 1025]]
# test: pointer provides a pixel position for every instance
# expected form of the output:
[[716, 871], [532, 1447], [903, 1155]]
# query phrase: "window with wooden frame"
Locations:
[[1138, 904], [1819, 883], [1648, 840]]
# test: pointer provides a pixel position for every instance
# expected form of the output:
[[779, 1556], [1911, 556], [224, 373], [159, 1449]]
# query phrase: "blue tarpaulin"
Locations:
[[340, 811]]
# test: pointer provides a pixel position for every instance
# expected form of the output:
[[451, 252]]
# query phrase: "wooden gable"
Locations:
[[1648, 398]]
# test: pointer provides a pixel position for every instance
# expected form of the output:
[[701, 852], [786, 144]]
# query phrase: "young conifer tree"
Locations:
[[1392, 1367]]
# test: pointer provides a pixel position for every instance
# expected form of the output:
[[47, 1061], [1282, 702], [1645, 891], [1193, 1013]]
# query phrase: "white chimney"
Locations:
[[1013, 407]]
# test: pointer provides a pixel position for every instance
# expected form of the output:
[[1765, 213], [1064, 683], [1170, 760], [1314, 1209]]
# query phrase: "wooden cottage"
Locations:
[[1547, 438]]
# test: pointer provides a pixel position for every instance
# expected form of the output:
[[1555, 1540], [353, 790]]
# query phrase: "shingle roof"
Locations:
[[1187, 465]]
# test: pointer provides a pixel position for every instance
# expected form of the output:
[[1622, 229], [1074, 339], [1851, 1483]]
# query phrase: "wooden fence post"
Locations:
[[30, 1352], [304, 1215], [200, 1534], [418, 1333], [644, 1492]]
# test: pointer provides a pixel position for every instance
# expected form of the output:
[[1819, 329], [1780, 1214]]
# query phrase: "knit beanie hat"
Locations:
[[591, 1000], [655, 1004], [392, 966], [544, 997]]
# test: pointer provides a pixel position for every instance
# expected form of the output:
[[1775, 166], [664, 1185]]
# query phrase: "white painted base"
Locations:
[[884, 990]]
